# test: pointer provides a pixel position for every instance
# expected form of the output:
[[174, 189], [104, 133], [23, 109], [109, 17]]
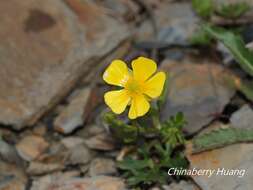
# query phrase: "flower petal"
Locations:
[[117, 73], [139, 106], [143, 68], [154, 86], [117, 100]]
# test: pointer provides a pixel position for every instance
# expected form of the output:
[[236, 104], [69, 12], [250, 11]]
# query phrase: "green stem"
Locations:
[[156, 121]]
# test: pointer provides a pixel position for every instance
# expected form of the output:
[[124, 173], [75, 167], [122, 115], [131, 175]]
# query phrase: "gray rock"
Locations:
[[226, 54], [9, 153], [200, 91], [176, 23], [74, 114], [102, 166], [234, 157], [243, 118], [46, 49], [79, 155]]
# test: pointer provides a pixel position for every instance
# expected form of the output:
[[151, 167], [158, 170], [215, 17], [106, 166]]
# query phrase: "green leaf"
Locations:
[[235, 44], [203, 7], [221, 137], [132, 165], [233, 10]]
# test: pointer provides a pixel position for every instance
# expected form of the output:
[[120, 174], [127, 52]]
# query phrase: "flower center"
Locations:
[[133, 86]]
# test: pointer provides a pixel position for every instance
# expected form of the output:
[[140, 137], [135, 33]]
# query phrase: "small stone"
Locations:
[[31, 147], [40, 168], [79, 155], [88, 183], [101, 142], [243, 118], [102, 166], [90, 130], [74, 114], [8, 153], [71, 142]]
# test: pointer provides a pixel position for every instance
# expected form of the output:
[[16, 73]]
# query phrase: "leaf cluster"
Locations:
[[206, 8], [156, 149]]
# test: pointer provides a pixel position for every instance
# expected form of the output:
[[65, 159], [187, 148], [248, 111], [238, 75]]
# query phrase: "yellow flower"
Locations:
[[138, 86]]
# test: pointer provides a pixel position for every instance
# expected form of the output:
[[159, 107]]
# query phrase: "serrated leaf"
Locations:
[[235, 44], [221, 137]]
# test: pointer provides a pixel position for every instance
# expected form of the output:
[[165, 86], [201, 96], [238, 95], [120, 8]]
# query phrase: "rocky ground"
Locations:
[[52, 54]]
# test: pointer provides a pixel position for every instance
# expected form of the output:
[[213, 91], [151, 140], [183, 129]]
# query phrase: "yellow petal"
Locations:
[[117, 100], [143, 68], [139, 106], [117, 73], [154, 86]]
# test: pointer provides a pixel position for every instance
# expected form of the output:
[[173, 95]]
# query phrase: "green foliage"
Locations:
[[201, 37], [233, 10], [203, 7], [221, 137], [156, 146], [235, 44], [152, 164], [171, 130]]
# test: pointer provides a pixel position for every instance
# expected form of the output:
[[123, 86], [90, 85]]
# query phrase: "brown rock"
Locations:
[[93, 183], [234, 157], [30, 147], [200, 91], [45, 50]]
